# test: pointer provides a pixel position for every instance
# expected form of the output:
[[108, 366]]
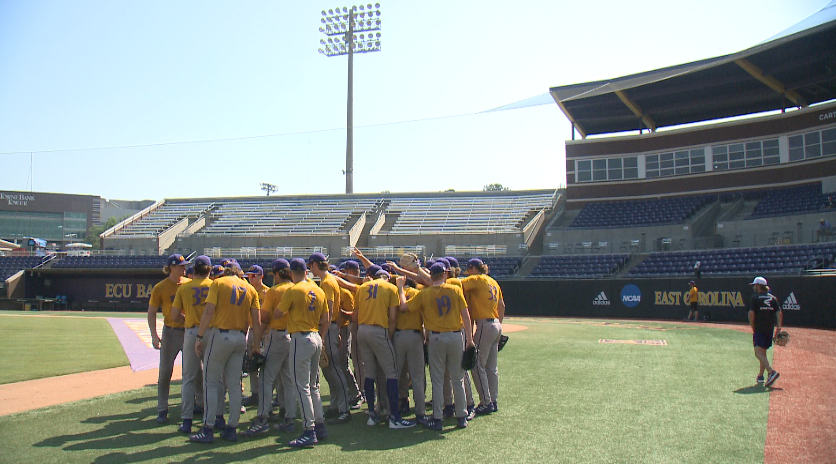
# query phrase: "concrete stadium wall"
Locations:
[[757, 232]]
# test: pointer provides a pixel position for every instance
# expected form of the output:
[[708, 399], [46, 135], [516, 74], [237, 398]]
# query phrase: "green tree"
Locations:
[[494, 188], [93, 233]]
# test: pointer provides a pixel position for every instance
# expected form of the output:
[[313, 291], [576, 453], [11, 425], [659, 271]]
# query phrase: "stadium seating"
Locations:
[[802, 199], [639, 213], [579, 266], [460, 215], [162, 218], [498, 266], [772, 260], [110, 262], [9, 265]]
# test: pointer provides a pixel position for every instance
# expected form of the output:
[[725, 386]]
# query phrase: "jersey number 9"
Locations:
[[444, 305]]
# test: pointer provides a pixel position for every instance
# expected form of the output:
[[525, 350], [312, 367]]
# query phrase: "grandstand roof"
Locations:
[[793, 68]]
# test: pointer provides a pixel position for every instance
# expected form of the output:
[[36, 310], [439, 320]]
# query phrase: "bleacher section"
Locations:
[[800, 199], [499, 266], [639, 213], [283, 217], [774, 260], [9, 265], [464, 215], [110, 262], [162, 218], [579, 266]]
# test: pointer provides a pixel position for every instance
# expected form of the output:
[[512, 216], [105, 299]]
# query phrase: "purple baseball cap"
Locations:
[[475, 262], [176, 260], [203, 260], [217, 270], [351, 264], [333, 268], [386, 267], [443, 261], [280, 264], [438, 268], [453, 261], [255, 269], [373, 270], [190, 270], [382, 273], [224, 261], [429, 263], [318, 258], [298, 264]]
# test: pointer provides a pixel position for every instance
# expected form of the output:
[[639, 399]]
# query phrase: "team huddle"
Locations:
[[371, 336]]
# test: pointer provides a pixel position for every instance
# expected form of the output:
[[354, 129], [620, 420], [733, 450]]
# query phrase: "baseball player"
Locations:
[[224, 322], [346, 348], [693, 298], [409, 348], [351, 268], [190, 301], [484, 298], [276, 350], [334, 374], [255, 276], [162, 297], [376, 311], [445, 314], [764, 316], [308, 324]]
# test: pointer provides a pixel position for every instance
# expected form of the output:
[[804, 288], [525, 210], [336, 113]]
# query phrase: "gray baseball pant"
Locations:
[[191, 392], [486, 375], [409, 347], [337, 383], [445, 353], [345, 354], [223, 360], [254, 377], [171, 343], [277, 371], [305, 350]]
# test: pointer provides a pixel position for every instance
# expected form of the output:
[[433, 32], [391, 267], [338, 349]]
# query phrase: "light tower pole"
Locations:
[[345, 22]]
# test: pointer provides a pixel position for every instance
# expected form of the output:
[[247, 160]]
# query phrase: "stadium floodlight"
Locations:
[[342, 25], [269, 188]]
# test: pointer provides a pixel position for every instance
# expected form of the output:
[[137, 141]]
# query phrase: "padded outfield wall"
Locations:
[[807, 301]]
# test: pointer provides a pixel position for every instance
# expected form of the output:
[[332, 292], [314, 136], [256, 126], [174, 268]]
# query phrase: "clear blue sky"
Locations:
[[85, 74]]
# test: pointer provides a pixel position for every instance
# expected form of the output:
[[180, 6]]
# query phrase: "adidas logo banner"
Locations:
[[791, 303], [601, 300]]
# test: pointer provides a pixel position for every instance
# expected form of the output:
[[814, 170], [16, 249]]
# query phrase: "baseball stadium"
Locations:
[[697, 209]]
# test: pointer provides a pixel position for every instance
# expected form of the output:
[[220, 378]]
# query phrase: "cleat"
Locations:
[[186, 426], [197, 411], [374, 419], [759, 380], [423, 420], [230, 434], [204, 436], [483, 409], [341, 419], [400, 423], [434, 424], [462, 422], [320, 431], [162, 417], [404, 406], [449, 411], [771, 379], [493, 407], [220, 424], [250, 401], [287, 426], [258, 426], [307, 440], [471, 412]]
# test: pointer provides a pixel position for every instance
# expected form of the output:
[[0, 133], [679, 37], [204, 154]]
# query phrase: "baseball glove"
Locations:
[[245, 366], [782, 338], [324, 362], [469, 358], [409, 261], [503, 339], [257, 361]]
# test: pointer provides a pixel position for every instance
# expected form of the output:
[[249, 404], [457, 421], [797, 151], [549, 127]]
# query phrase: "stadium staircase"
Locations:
[[635, 260], [528, 265]]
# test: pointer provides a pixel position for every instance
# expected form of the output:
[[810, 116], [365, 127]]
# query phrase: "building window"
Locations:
[[745, 155], [813, 144], [607, 169], [675, 164]]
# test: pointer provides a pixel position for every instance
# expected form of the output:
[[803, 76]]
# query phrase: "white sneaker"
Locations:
[[400, 424]]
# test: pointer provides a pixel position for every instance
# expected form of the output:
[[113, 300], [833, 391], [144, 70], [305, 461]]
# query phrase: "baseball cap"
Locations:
[[318, 258], [443, 260], [386, 267], [190, 270], [373, 270], [298, 264], [475, 262], [233, 264], [382, 273], [333, 268], [176, 260], [429, 262], [279, 264], [203, 260], [217, 270], [437, 268], [224, 262], [255, 269], [351, 264], [692, 283], [758, 281], [453, 261]]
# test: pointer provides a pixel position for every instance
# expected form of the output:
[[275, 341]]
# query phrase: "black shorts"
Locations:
[[694, 306], [762, 340]]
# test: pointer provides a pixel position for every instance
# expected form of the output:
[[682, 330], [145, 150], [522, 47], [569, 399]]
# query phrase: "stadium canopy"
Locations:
[[795, 68]]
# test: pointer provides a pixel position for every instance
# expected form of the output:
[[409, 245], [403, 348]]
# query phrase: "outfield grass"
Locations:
[[38, 347], [125, 314], [563, 398]]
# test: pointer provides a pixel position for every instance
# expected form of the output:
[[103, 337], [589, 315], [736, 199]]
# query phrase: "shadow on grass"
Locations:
[[755, 389]]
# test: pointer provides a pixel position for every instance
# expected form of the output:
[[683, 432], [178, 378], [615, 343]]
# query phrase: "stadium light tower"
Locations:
[[340, 27], [268, 188]]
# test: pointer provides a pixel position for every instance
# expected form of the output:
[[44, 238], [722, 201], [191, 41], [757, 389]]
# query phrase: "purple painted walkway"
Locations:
[[135, 338]]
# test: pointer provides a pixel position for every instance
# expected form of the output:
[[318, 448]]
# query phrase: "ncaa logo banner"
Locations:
[[631, 296]]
